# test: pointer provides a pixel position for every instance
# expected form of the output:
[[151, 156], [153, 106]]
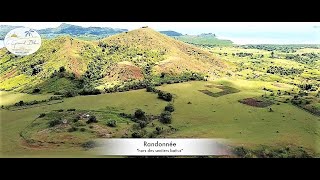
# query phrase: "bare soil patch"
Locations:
[[255, 102]]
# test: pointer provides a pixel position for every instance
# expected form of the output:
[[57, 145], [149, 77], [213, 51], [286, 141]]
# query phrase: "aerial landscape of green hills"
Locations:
[[142, 83], [96, 64]]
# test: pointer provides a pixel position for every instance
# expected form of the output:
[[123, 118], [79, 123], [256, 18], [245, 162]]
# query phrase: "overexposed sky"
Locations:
[[305, 32], [187, 27]]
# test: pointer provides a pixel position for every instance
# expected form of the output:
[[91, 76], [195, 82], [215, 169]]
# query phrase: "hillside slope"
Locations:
[[65, 62], [169, 55]]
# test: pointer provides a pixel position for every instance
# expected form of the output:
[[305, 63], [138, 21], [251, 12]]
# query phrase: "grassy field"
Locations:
[[253, 97], [225, 117], [13, 122], [8, 97], [203, 117]]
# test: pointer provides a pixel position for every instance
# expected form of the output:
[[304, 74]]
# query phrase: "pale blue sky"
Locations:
[[239, 32]]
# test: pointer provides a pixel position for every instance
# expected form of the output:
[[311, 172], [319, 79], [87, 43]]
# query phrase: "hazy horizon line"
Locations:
[[238, 32]]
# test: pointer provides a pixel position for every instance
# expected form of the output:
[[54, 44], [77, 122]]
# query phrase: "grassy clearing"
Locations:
[[9, 98], [225, 117], [13, 122], [224, 91]]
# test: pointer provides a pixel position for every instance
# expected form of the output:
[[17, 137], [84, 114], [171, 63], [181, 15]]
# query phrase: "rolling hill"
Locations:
[[67, 63]]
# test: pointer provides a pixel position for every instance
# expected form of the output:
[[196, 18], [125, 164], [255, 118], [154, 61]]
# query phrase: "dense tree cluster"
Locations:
[[126, 86], [306, 58], [22, 103], [184, 77], [283, 71], [67, 93], [62, 73], [32, 68], [306, 86], [94, 71], [91, 91], [281, 48], [244, 54]]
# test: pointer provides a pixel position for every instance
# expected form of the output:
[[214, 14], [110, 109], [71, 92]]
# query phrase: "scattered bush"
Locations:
[[112, 123], [82, 129], [77, 118], [165, 96], [124, 115], [89, 145], [137, 134], [92, 119], [268, 152], [60, 110], [70, 93], [36, 90], [165, 117], [20, 103], [142, 124], [71, 109], [139, 114], [55, 98], [169, 108], [54, 122], [158, 129], [150, 89], [42, 115], [240, 151], [62, 69]]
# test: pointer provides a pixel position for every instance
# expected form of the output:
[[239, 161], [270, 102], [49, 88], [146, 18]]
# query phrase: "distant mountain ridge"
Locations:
[[4, 29], [171, 33], [69, 29], [205, 39], [79, 30], [95, 33]]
